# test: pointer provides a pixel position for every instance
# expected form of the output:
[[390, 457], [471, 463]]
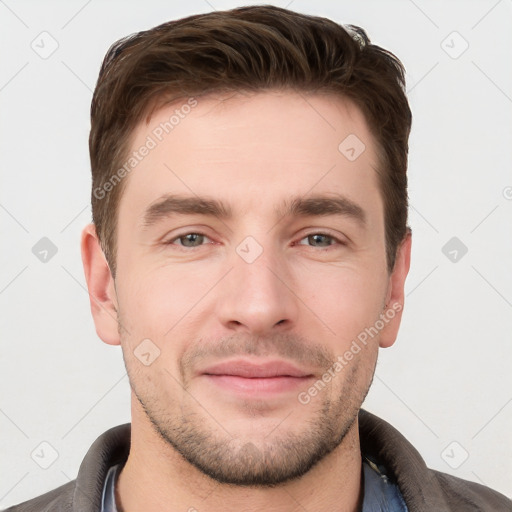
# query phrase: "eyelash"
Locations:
[[336, 240]]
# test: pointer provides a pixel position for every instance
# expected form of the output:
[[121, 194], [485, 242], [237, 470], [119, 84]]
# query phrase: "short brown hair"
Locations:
[[247, 49]]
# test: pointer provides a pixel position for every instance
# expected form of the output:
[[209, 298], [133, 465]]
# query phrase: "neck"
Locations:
[[157, 478]]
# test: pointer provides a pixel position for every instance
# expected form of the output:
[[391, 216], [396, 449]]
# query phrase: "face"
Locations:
[[251, 259]]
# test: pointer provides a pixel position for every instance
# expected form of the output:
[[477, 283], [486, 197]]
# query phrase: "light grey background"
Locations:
[[446, 384]]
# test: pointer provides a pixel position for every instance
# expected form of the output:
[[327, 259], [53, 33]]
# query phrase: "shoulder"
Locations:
[[469, 496], [422, 488], [56, 500], [84, 493]]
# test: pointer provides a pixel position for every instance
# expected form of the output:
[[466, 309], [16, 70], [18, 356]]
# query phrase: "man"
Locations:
[[249, 252]]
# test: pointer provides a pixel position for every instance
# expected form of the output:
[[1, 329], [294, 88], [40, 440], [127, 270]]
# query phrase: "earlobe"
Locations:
[[396, 293], [100, 283]]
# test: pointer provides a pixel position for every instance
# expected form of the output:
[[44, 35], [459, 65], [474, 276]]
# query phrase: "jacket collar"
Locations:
[[417, 483], [379, 440]]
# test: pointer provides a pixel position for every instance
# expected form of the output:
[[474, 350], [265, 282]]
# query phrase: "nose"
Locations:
[[258, 296]]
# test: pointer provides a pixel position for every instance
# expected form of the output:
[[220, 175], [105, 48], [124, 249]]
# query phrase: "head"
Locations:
[[250, 208]]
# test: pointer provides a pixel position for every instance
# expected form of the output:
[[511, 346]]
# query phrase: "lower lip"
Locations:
[[258, 386]]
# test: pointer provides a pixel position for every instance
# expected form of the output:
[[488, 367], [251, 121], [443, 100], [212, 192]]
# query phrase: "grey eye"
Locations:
[[191, 240], [318, 240]]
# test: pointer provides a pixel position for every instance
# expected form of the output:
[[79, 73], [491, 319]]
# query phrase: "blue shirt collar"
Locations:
[[381, 494]]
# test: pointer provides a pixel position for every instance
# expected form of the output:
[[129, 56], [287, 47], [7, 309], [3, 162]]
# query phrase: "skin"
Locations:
[[304, 299]]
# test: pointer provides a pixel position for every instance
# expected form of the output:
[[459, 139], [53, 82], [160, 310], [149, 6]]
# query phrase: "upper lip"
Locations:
[[256, 369]]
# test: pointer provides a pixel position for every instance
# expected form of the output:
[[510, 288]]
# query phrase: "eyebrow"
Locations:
[[320, 205]]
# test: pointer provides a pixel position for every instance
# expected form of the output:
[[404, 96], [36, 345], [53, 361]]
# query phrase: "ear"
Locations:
[[395, 296], [101, 286]]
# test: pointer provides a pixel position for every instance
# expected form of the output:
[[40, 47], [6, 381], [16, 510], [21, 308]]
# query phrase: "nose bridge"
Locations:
[[256, 298]]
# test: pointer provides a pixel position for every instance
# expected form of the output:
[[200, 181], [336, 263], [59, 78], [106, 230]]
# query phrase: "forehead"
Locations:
[[236, 146]]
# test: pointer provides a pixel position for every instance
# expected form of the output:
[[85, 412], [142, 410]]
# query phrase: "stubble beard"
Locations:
[[231, 458]]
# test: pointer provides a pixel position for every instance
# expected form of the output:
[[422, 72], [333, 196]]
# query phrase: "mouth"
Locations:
[[252, 378]]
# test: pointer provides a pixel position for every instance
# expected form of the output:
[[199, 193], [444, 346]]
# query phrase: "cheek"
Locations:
[[346, 300], [160, 302]]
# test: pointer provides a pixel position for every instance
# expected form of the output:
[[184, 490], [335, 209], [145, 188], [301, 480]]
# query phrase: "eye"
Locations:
[[319, 240], [189, 240]]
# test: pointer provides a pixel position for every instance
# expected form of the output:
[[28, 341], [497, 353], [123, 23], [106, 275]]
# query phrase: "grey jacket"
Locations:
[[423, 489]]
